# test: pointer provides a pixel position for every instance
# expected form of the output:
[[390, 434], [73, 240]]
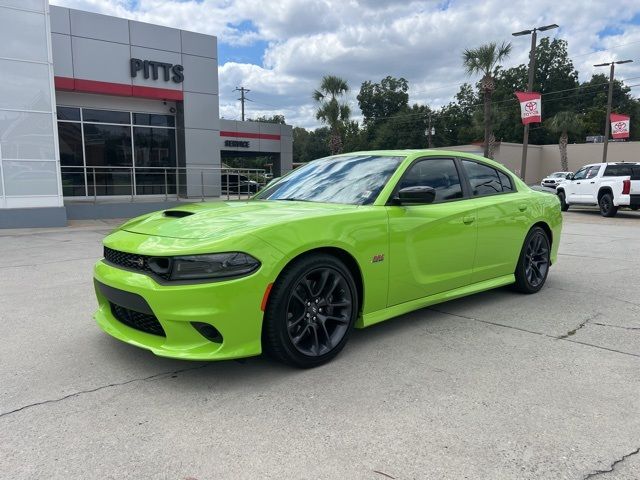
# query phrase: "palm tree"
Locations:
[[330, 110], [484, 60], [564, 123]]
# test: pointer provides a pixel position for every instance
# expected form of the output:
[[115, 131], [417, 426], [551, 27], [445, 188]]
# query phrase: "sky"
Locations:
[[280, 49]]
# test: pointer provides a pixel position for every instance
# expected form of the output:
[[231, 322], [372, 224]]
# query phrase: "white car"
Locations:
[[608, 185], [554, 179]]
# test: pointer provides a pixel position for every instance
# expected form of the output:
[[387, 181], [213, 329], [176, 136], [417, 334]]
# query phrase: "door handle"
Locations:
[[468, 220], [592, 182], [578, 183], [522, 207]]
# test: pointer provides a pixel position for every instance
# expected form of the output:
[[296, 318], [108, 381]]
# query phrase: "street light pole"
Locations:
[[525, 139], [607, 121], [532, 65]]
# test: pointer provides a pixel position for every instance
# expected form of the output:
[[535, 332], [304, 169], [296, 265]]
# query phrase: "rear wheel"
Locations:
[[311, 311], [607, 208], [533, 264], [564, 206]]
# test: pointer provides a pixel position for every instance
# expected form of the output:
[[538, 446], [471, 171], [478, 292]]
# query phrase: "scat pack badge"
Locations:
[[378, 258]]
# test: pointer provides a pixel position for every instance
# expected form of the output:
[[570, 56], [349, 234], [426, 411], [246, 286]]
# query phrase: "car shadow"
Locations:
[[234, 375]]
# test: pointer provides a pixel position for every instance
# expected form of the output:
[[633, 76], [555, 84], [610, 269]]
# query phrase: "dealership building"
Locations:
[[103, 116]]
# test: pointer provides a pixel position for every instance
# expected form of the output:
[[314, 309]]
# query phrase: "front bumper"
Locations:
[[232, 307]]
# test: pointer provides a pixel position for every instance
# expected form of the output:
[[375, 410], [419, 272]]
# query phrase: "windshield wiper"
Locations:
[[293, 199]]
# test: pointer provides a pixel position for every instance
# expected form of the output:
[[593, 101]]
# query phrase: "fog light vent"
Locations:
[[208, 331]]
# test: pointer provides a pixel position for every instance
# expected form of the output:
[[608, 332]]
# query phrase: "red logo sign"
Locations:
[[531, 106], [620, 126]]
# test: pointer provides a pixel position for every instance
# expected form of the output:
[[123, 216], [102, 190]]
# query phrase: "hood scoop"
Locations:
[[177, 213]]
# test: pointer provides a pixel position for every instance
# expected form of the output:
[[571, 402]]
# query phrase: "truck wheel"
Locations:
[[564, 206], [607, 208]]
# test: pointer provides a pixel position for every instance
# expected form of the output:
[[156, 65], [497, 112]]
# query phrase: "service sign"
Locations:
[[530, 107], [620, 125]]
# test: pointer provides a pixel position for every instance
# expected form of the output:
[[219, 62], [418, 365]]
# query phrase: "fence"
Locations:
[[137, 183]]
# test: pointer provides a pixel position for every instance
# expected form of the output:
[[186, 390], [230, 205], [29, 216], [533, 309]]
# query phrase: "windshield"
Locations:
[[558, 175], [355, 180]]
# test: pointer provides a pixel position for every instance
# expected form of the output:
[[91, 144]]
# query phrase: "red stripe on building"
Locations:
[[63, 83], [263, 136], [119, 89]]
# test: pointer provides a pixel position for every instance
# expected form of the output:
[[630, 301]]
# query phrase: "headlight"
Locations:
[[216, 265]]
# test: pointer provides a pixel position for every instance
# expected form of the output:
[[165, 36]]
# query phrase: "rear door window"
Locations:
[[484, 180]]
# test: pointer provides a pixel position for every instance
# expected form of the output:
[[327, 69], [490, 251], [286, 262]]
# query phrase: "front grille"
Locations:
[[131, 261], [140, 321]]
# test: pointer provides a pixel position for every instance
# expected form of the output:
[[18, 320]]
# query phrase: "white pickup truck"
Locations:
[[608, 185]]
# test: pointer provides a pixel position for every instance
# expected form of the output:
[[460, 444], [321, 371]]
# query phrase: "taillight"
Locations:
[[626, 187]]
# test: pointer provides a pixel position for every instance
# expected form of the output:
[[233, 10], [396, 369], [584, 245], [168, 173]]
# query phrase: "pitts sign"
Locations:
[[152, 69]]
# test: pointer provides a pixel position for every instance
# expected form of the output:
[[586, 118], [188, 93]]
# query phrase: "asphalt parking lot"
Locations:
[[494, 386]]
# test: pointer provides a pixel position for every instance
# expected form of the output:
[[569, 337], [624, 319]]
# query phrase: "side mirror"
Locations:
[[569, 176], [415, 195]]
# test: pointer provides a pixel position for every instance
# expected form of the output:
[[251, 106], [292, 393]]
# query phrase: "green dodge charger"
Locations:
[[344, 241]]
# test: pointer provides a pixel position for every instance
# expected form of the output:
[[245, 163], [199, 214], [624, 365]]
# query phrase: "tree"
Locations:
[[384, 99], [564, 122], [485, 60], [330, 110], [272, 119]]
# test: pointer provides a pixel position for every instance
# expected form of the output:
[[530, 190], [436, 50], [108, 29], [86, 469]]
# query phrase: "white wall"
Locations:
[[29, 157]]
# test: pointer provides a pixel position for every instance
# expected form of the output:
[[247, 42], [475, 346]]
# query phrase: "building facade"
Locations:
[[94, 106]]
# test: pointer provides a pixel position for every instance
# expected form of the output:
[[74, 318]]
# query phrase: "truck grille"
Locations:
[[140, 321]]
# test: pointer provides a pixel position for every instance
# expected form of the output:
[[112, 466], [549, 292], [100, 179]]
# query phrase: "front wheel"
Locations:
[[533, 264], [564, 206], [311, 311], [607, 208]]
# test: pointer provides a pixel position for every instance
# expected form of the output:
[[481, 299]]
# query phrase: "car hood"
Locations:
[[222, 219]]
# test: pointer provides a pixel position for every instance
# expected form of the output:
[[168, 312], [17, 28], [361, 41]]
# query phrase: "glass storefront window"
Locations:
[[105, 116], [129, 159], [107, 145], [70, 142], [154, 120], [68, 113]]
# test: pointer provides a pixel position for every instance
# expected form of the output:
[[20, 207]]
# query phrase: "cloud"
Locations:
[[369, 39]]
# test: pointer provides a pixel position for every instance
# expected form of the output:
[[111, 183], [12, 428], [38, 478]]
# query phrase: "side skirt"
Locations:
[[396, 310]]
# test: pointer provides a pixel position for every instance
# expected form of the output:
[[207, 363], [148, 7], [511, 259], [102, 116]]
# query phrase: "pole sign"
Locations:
[[620, 125], [530, 107]]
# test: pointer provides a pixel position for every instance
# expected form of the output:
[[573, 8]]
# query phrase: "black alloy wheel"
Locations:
[[319, 311], [311, 311], [607, 208], [534, 262]]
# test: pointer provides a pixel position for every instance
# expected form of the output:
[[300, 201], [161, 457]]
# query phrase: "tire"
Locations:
[[564, 206], [607, 208], [311, 311], [534, 262]]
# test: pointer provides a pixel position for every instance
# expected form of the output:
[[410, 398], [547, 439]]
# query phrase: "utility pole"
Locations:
[[607, 121], [430, 132], [242, 98], [532, 65]]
